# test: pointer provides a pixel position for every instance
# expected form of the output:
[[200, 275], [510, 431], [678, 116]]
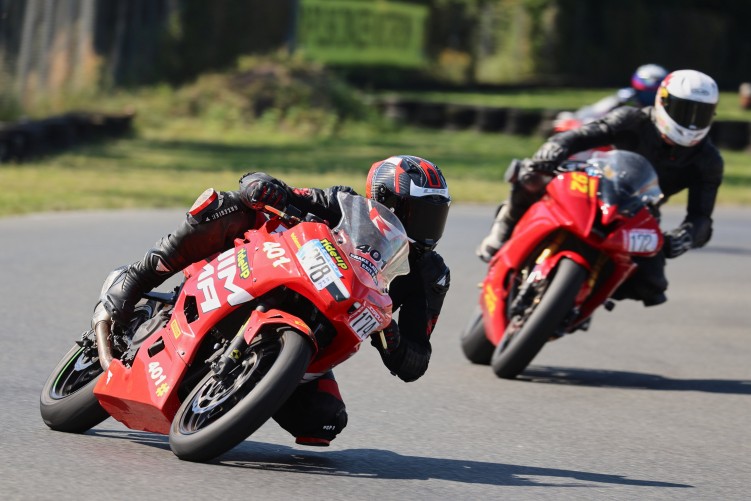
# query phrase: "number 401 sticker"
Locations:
[[274, 250]]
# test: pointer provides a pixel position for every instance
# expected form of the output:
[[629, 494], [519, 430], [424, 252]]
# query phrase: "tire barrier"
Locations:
[[728, 134], [28, 139], [731, 134]]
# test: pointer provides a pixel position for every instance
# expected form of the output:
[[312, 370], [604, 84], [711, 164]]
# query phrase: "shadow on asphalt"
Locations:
[[387, 465], [632, 380]]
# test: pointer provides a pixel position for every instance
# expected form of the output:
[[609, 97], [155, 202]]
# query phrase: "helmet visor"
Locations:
[[689, 114], [424, 218]]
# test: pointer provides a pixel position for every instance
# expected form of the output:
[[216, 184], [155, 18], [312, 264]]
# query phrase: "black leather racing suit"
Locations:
[[697, 169], [316, 410]]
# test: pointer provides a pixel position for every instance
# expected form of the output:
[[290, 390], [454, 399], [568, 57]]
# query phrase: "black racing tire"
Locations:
[[68, 403], [475, 344], [216, 417], [515, 352]]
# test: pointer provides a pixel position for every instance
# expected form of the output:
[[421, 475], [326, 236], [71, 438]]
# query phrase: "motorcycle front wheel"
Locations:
[[67, 402], [475, 344], [549, 308], [220, 413]]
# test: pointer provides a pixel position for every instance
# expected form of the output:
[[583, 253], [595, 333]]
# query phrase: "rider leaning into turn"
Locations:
[[672, 135], [412, 187]]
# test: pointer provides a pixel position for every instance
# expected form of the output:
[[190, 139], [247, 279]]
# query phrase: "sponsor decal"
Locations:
[[491, 300], [295, 240], [162, 390], [243, 264], [331, 249], [175, 329], [366, 265], [225, 274]]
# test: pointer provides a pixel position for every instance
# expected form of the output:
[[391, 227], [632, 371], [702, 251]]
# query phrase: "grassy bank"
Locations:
[[197, 137], [169, 166]]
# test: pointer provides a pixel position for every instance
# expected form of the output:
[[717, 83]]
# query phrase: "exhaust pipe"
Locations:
[[101, 322]]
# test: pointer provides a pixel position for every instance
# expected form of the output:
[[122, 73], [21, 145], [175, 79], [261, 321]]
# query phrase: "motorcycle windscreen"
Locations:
[[628, 180], [376, 242]]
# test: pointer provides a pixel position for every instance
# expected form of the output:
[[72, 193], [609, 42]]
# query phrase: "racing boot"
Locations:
[[501, 230], [128, 284], [210, 226]]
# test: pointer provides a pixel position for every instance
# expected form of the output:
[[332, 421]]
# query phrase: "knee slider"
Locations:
[[340, 421]]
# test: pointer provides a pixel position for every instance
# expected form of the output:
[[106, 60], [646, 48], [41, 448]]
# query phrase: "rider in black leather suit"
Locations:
[[682, 155], [315, 413]]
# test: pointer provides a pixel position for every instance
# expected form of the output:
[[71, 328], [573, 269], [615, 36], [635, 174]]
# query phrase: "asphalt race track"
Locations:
[[650, 403]]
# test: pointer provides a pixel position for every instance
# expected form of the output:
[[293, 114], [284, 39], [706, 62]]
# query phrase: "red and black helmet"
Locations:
[[416, 191]]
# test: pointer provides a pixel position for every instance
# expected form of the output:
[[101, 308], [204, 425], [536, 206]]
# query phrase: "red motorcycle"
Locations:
[[211, 362], [566, 256]]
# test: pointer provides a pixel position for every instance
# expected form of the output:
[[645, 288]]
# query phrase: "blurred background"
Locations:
[[214, 88], [73, 44]]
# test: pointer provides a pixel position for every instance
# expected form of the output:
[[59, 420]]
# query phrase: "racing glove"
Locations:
[[387, 342], [260, 191], [548, 156], [678, 241]]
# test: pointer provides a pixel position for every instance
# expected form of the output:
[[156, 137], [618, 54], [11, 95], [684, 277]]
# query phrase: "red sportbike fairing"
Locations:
[[213, 361], [566, 256]]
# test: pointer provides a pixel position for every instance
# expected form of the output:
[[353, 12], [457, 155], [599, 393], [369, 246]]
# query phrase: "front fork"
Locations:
[[263, 315], [231, 356]]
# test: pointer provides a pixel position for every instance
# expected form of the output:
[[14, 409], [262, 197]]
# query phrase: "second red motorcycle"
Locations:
[[566, 257]]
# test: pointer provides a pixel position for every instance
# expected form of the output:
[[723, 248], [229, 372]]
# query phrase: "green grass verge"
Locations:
[[170, 166], [172, 157]]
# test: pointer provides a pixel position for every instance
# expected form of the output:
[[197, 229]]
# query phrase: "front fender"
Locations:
[[259, 319], [552, 261]]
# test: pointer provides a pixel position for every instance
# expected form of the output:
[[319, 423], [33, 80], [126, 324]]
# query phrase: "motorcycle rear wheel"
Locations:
[[218, 415], [517, 349], [67, 402], [475, 344]]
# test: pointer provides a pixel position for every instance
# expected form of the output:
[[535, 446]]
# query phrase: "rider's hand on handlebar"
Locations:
[[261, 192], [387, 340], [550, 153]]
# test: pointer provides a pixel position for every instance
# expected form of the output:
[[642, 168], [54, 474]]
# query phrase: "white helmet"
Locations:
[[685, 105]]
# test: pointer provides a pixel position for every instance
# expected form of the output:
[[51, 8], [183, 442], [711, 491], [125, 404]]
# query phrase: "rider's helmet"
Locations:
[[685, 106], [415, 189], [646, 80]]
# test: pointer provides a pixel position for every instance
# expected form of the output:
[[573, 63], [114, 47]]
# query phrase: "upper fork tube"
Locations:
[[233, 353]]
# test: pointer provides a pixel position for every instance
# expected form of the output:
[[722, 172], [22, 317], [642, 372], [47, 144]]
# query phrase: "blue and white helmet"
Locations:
[[645, 81]]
